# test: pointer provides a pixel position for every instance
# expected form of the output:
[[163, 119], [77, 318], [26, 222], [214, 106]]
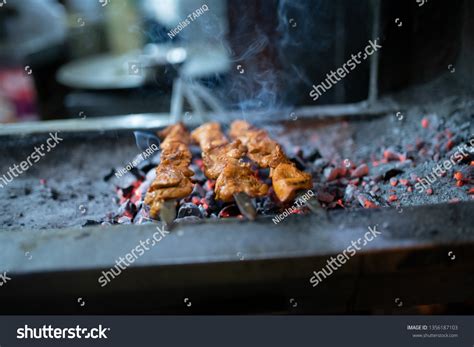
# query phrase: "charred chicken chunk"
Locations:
[[168, 176], [239, 130], [221, 162], [182, 189], [238, 178], [261, 148], [175, 157], [176, 132], [217, 158], [155, 198], [287, 180], [208, 136], [172, 174], [174, 147], [267, 154]]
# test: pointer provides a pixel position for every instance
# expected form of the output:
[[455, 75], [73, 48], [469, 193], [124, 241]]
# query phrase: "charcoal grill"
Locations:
[[220, 266]]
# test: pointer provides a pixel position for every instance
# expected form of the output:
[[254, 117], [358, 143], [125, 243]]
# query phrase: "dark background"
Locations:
[[284, 46]]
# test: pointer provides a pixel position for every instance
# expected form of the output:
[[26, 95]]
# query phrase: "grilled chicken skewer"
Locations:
[[172, 174], [287, 180], [234, 180]]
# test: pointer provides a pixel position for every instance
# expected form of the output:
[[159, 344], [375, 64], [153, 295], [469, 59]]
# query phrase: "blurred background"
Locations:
[[65, 58]]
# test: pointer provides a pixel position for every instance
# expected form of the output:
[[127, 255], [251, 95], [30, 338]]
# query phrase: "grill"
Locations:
[[375, 165], [62, 215]]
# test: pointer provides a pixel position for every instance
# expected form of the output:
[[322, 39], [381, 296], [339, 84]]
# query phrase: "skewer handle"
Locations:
[[244, 203]]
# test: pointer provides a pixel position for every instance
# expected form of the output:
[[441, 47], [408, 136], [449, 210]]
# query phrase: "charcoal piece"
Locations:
[[456, 140], [349, 192], [127, 206], [467, 173], [142, 216], [145, 166], [325, 196], [210, 195], [195, 151], [361, 171], [374, 190], [109, 175], [420, 144], [127, 191], [333, 173], [199, 191], [126, 181], [312, 155], [320, 163], [189, 209], [91, 222], [198, 174], [300, 164], [266, 206], [214, 205], [137, 173], [264, 173], [229, 211], [344, 181], [203, 210], [391, 173], [469, 158], [54, 194], [246, 160], [411, 154]]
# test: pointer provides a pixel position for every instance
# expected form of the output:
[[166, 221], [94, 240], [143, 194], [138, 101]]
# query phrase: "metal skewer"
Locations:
[[168, 212], [312, 203], [244, 203]]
